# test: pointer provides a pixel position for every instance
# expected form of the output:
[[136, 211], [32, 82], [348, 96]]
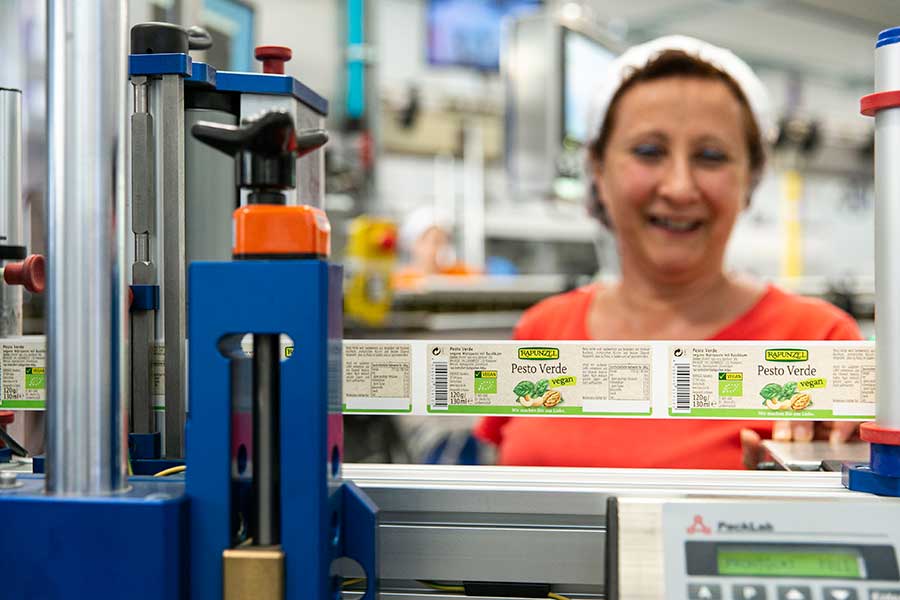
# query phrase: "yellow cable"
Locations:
[[459, 588], [349, 582], [444, 588], [171, 471]]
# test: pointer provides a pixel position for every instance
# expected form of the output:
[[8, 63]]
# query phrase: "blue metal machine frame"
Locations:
[[61, 548], [323, 517], [165, 538]]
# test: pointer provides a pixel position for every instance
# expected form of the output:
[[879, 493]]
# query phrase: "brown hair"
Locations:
[[677, 63]]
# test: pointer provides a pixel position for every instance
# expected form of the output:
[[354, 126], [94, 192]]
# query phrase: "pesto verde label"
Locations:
[[821, 381], [504, 378], [706, 380], [23, 373]]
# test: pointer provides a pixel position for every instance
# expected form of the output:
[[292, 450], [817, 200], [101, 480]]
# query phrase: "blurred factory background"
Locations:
[[476, 110]]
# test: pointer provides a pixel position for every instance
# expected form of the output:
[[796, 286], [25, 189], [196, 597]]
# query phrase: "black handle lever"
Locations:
[[199, 38], [270, 135], [268, 148]]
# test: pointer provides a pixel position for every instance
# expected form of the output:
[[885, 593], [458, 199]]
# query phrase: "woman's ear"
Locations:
[[755, 178], [596, 207]]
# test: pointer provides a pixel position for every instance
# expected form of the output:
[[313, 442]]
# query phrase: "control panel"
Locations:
[[754, 549]]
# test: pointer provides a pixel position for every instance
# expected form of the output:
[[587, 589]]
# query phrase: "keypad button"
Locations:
[[704, 591], [794, 592], [839, 593], [748, 591]]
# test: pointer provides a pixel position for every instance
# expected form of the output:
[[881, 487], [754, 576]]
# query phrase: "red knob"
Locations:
[[29, 273], [6, 417], [388, 242], [273, 58]]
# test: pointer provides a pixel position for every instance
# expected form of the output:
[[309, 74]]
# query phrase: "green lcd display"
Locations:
[[778, 562]]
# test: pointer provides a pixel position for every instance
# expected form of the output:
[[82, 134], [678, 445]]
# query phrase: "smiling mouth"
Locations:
[[675, 225]]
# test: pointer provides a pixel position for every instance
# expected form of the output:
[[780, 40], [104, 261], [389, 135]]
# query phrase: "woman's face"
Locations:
[[675, 175]]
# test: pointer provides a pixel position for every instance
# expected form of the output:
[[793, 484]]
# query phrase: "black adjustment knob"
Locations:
[[159, 38], [267, 148], [167, 38]]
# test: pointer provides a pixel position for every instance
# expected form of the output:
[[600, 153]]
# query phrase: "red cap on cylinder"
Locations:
[[273, 58], [29, 273]]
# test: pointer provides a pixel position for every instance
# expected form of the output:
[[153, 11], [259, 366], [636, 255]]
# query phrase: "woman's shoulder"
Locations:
[[783, 315], [561, 316]]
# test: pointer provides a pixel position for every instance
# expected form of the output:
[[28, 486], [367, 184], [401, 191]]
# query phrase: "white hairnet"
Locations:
[[421, 220], [639, 56]]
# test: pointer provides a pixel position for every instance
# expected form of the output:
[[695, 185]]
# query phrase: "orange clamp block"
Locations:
[[275, 231]]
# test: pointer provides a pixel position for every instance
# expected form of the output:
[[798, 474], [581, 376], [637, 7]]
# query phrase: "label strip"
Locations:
[[659, 380]]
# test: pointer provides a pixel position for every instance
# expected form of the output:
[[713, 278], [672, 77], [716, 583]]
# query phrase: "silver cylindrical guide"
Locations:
[[887, 242], [211, 200], [10, 202], [85, 309]]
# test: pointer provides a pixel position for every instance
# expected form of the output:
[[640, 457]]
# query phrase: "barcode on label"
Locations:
[[439, 391], [682, 387]]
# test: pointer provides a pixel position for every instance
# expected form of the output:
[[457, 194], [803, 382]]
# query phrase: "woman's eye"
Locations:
[[648, 151], [711, 155]]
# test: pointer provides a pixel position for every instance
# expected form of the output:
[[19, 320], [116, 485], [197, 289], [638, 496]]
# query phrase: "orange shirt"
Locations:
[[586, 442]]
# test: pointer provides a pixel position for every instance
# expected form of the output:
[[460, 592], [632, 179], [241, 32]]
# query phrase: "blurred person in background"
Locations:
[[426, 248], [679, 143]]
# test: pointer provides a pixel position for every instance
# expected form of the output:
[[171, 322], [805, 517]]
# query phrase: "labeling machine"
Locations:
[[264, 508]]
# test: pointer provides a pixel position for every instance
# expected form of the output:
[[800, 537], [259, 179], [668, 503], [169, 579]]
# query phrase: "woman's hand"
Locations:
[[806, 431], [798, 431]]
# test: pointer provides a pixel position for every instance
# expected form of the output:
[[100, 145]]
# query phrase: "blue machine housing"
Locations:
[[126, 545], [323, 518], [199, 73]]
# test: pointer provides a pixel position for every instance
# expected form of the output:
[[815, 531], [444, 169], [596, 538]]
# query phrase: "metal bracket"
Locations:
[[359, 534]]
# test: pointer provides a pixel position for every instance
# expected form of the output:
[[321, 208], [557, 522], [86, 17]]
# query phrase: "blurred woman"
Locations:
[[678, 147]]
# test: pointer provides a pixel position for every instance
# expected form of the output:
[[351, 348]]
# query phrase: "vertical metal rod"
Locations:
[[85, 310], [887, 242], [143, 269], [174, 297], [266, 440], [11, 201]]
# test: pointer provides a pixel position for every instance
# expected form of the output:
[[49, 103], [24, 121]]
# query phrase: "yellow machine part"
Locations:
[[370, 257]]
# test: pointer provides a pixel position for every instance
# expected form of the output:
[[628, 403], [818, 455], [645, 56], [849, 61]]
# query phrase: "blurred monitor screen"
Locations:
[[584, 62], [467, 32]]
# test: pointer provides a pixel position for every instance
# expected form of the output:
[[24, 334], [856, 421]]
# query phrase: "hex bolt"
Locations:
[[7, 479]]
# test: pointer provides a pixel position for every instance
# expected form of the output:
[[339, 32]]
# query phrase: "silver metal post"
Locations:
[[887, 242], [10, 202], [143, 269], [85, 312], [174, 262]]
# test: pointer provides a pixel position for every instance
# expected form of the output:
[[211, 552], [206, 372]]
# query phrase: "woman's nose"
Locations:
[[677, 184]]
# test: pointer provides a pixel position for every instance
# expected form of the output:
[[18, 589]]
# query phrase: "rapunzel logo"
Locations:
[[787, 355], [538, 353]]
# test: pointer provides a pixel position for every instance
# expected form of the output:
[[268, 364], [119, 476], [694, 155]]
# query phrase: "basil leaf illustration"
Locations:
[[770, 391], [524, 388], [787, 391]]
